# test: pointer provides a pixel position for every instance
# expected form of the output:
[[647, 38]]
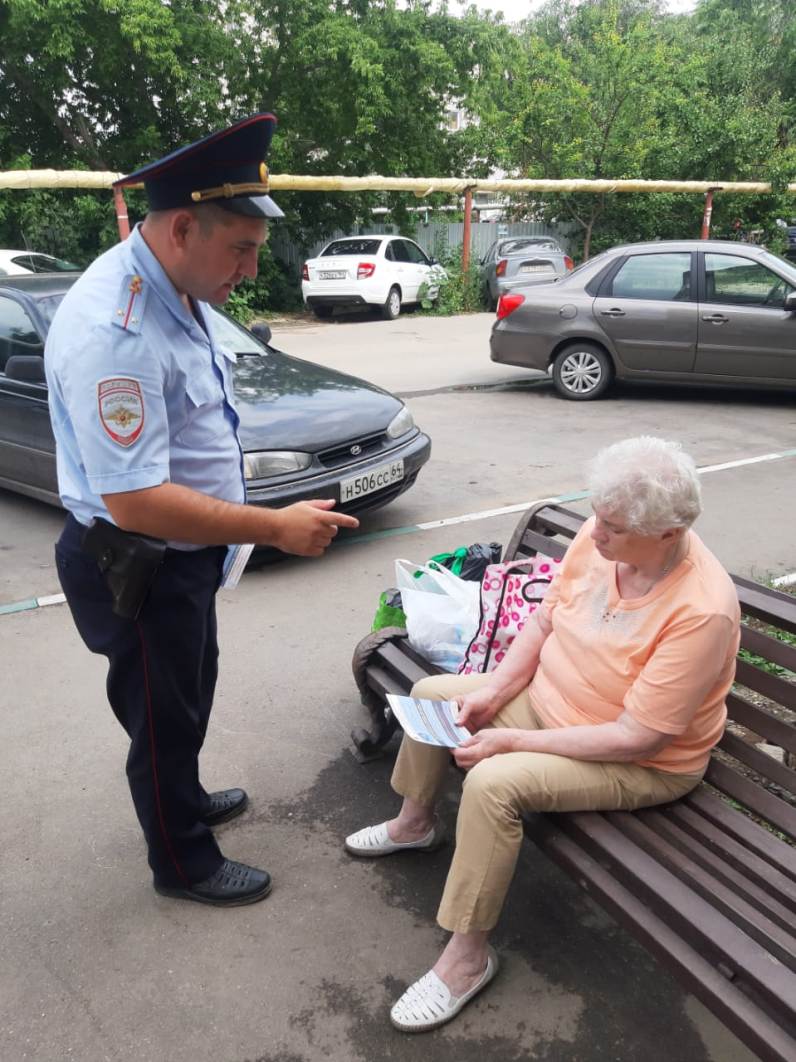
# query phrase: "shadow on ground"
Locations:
[[618, 1003]]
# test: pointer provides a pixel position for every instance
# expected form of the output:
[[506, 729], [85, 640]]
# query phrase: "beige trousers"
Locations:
[[499, 789]]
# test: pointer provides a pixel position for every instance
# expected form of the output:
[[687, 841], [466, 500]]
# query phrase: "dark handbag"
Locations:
[[128, 562], [470, 562]]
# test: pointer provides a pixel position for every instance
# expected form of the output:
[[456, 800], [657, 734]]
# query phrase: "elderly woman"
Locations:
[[611, 697]]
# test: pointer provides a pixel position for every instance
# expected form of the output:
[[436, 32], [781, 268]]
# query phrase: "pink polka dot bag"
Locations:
[[509, 594]]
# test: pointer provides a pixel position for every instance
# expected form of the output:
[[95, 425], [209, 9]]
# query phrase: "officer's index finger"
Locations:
[[339, 519]]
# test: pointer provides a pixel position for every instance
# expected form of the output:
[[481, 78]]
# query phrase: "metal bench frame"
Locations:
[[707, 883]]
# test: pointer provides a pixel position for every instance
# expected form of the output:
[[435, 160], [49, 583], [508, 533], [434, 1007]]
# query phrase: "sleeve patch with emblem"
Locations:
[[121, 409]]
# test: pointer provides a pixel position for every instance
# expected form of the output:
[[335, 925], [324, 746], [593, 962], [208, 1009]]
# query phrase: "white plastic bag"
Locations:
[[442, 612]]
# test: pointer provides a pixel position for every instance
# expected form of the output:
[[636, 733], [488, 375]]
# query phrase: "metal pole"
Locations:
[[121, 213], [468, 211], [705, 234]]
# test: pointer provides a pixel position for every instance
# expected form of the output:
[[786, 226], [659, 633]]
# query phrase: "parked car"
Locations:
[[387, 272], [521, 260], [306, 431], [688, 311], [20, 263]]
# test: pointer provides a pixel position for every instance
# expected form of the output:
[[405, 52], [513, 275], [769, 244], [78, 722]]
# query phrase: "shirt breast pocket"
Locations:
[[204, 408]]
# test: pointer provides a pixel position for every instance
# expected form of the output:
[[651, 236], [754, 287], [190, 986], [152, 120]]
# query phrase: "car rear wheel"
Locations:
[[582, 371], [392, 307], [322, 312]]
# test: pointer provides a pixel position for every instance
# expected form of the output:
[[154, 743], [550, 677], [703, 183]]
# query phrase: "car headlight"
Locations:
[[274, 463], [401, 424]]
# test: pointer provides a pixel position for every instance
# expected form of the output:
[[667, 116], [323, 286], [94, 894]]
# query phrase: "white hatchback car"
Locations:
[[383, 271]]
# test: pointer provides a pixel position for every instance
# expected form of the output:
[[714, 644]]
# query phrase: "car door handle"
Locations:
[[715, 318], [613, 312]]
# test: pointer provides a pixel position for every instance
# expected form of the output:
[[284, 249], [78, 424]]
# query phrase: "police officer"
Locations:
[[150, 469]]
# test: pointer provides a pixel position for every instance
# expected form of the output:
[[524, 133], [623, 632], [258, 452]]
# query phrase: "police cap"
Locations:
[[226, 168]]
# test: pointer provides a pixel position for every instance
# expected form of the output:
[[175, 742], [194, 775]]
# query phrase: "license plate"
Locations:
[[332, 274], [536, 269], [369, 482]]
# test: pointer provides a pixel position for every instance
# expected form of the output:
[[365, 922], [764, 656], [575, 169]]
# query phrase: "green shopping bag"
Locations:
[[389, 612]]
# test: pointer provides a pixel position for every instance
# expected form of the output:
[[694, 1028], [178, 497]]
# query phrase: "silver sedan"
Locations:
[[690, 311]]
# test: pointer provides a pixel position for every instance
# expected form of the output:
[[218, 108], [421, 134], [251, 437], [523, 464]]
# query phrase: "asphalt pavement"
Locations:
[[98, 967]]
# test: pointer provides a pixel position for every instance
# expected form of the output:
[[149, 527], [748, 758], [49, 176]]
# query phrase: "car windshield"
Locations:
[[351, 247], [515, 246], [45, 263], [48, 305], [232, 338]]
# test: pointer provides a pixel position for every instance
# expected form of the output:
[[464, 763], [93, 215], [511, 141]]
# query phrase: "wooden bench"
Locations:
[[707, 883]]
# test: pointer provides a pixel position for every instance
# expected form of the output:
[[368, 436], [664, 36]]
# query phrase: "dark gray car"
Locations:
[[306, 431], [516, 261], [691, 311]]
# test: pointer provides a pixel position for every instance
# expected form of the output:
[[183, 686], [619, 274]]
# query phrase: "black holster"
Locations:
[[128, 562]]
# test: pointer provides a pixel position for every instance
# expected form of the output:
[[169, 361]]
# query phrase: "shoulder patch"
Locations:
[[121, 409], [129, 310]]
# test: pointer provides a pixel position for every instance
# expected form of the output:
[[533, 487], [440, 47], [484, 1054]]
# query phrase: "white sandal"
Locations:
[[428, 1003], [374, 841]]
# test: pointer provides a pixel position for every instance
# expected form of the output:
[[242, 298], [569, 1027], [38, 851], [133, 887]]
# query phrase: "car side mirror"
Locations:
[[262, 331], [790, 302], [433, 261], [26, 367]]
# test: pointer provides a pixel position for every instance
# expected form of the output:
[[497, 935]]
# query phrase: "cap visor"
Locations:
[[260, 206]]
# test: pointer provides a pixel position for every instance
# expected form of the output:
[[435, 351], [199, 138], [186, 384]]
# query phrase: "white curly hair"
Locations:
[[650, 483]]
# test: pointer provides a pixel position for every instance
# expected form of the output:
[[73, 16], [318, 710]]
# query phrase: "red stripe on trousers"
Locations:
[[150, 721]]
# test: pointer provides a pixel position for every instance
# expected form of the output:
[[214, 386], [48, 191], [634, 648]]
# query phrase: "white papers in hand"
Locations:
[[235, 561], [431, 722]]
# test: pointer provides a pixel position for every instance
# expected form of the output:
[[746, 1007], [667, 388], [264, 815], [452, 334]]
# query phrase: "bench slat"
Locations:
[[743, 829], [771, 606], [559, 520], [706, 877], [383, 682], [761, 722], [761, 762], [771, 648], [733, 1006], [752, 796], [395, 659], [711, 934], [707, 835], [533, 543], [772, 686]]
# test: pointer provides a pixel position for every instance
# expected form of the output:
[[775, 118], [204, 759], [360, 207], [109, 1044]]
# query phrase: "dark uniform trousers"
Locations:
[[162, 670]]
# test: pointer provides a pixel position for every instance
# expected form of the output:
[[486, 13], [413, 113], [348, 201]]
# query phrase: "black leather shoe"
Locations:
[[232, 885], [225, 805]]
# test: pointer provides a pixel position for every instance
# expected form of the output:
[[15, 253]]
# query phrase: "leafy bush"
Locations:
[[274, 288], [461, 291]]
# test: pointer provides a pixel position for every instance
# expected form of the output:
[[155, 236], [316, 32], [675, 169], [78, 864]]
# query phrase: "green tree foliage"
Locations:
[[585, 88], [617, 89]]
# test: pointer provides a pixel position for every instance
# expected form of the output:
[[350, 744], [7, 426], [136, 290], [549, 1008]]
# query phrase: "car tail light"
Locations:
[[500, 268], [568, 263], [365, 270], [305, 273], [508, 304]]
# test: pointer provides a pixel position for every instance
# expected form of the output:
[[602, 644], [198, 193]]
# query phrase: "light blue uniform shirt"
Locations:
[[139, 393]]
